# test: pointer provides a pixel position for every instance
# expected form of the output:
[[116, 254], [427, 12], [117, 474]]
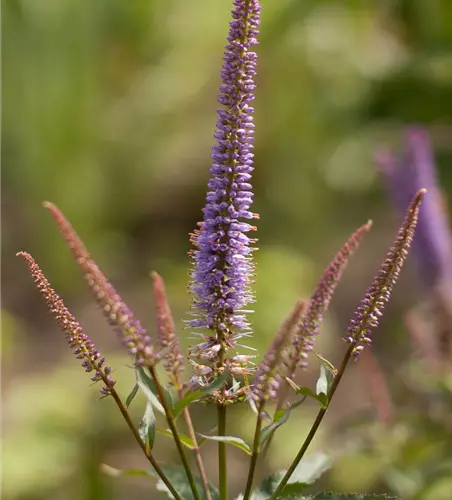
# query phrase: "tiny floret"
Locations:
[[135, 336], [371, 308], [79, 342], [303, 341]]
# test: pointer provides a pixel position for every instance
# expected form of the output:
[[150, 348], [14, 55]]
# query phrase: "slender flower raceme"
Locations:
[[167, 332], [222, 266], [268, 376], [80, 343], [404, 176], [135, 337], [303, 340], [369, 311]]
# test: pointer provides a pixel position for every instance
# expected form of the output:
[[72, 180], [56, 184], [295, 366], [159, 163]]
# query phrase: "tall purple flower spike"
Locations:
[[404, 176], [222, 265], [79, 342]]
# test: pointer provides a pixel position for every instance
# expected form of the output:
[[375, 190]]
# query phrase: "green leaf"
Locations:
[[178, 479], [200, 393], [147, 385], [186, 440], [147, 426], [132, 395], [308, 470], [234, 441], [111, 471], [307, 392], [321, 398], [280, 418], [325, 381], [327, 363]]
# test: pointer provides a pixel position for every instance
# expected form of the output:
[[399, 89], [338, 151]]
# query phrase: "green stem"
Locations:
[[172, 425], [146, 451], [222, 458], [315, 425], [255, 453], [279, 405], [198, 457]]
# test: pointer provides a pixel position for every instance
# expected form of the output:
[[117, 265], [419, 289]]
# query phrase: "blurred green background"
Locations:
[[109, 111]]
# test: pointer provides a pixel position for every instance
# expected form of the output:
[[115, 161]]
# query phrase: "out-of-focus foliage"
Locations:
[[109, 110]]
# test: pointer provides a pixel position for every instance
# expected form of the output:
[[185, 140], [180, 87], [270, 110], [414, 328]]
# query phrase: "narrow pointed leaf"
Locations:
[[325, 381], [232, 440], [113, 472], [307, 392], [132, 395], [280, 418], [199, 393], [185, 440], [321, 398], [146, 430], [327, 363], [147, 385]]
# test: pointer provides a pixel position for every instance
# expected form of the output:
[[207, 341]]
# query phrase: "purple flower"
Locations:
[[404, 176], [222, 265], [82, 346], [135, 337], [370, 309]]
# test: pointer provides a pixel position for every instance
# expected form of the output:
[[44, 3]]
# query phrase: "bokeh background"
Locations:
[[108, 111]]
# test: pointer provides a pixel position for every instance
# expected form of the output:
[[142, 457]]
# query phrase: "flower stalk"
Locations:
[[85, 350], [366, 317], [315, 425], [172, 425], [174, 366]]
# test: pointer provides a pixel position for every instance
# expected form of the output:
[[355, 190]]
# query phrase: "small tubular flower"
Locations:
[[167, 332], [268, 376], [222, 267], [79, 342], [135, 337], [404, 176], [369, 311], [303, 340]]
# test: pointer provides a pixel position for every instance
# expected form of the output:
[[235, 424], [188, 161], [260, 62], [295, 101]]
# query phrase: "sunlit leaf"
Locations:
[[113, 472], [327, 363], [147, 385], [146, 430], [186, 440], [325, 381], [232, 440]]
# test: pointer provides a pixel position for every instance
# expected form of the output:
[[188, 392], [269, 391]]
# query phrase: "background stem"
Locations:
[[222, 459]]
